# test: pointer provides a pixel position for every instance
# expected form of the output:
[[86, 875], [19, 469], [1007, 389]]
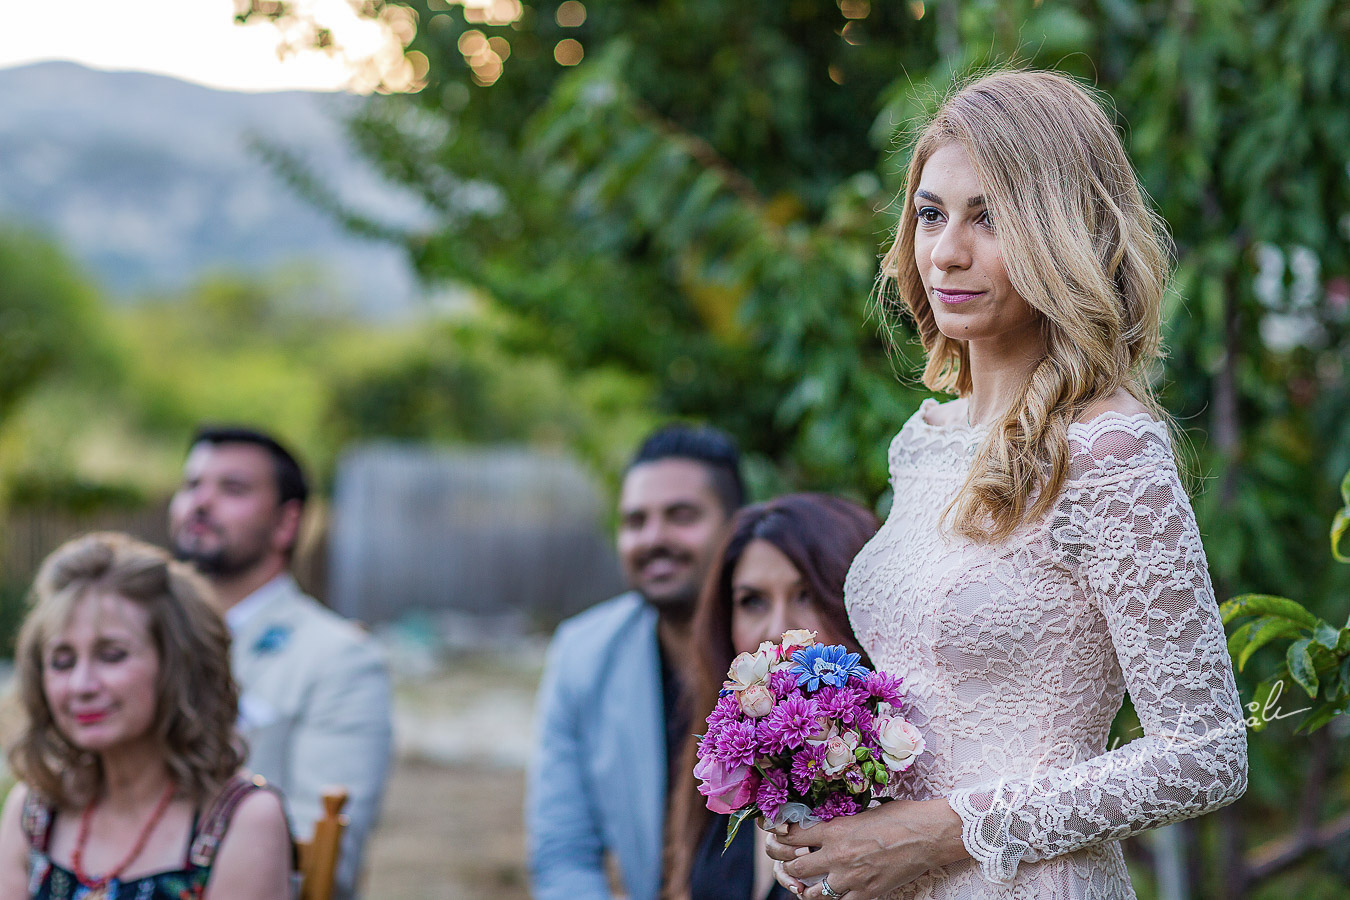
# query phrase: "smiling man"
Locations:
[[314, 692], [609, 709]]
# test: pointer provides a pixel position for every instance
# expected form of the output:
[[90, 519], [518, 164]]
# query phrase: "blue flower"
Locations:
[[831, 664], [272, 640]]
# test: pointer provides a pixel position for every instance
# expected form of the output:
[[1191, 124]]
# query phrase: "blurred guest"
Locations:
[[611, 717], [315, 704], [127, 756], [782, 567]]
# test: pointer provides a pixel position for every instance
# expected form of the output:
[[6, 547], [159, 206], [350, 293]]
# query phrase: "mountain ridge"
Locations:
[[148, 182]]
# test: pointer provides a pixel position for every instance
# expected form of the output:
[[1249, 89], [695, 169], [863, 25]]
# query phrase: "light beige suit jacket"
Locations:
[[315, 708]]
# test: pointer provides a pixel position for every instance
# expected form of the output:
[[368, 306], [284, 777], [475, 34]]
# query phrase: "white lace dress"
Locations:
[[1015, 658]]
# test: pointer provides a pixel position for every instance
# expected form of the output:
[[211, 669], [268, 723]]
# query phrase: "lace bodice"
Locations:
[[1016, 656]]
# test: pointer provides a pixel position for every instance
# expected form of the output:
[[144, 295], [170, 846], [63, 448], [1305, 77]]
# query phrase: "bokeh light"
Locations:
[[568, 52], [571, 14], [492, 12], [483, 55], [471, 42], [916, 8], [855, 9]]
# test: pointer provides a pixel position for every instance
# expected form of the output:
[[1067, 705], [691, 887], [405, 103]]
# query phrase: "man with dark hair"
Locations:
[[610, 712], [315, 698]]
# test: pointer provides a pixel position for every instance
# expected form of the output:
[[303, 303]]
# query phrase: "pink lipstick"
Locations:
[[953, 297]]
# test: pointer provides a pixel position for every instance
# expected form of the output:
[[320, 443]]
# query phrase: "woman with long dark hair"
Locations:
[[782, 567]]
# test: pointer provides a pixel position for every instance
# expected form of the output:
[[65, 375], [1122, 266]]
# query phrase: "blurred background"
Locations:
[[463, 254]]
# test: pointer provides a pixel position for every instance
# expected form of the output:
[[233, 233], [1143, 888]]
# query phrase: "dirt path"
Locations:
[[452, 822], [449, 832]]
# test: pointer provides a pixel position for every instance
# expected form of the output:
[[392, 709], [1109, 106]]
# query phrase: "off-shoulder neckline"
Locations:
[[1101, 419]]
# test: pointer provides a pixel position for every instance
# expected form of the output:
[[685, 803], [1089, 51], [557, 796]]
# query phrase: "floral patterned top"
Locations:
[[1016, 656], [48, 880]]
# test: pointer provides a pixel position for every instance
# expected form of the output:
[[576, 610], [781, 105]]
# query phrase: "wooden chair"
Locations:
[[319, 855]]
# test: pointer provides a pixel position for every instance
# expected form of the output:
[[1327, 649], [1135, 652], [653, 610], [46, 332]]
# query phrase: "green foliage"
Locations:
[[1317, 658], [477, 381], [48, 317], [1341, 523], [697, 203], [693, 205], [13, 607], [266, 351], [71, 493]]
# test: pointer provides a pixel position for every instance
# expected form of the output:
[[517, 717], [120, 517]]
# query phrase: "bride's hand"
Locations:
[[870, 854]]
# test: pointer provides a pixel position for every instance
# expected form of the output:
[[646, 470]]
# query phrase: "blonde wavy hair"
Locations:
[[1081, 246], [197, 700]]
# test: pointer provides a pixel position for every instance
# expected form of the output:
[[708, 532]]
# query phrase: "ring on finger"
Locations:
[[829, 891]]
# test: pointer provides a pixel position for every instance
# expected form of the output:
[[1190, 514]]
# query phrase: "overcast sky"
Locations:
[[195, 40]]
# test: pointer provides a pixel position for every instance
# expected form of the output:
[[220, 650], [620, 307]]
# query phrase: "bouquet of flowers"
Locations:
[[803, 733]]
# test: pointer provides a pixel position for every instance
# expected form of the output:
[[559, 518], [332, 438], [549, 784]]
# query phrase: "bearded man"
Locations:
[[314, 690], [610, 712]]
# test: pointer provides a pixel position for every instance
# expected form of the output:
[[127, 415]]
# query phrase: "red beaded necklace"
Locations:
[[98, 887]]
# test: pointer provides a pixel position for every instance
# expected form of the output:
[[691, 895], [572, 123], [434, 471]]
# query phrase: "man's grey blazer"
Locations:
[[315, 709], [597, 782]]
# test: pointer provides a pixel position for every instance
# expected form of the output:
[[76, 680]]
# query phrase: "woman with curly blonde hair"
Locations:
[[126, 751], [1041, 556]]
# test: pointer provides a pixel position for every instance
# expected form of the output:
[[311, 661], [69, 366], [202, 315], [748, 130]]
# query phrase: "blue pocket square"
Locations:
[[272, 640]]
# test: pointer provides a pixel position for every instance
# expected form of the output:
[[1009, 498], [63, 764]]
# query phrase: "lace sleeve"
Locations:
[[1127, 532]]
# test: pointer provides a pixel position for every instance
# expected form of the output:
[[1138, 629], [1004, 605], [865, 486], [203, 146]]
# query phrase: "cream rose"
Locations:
[[748, 669], [900, 742], [756, 701]]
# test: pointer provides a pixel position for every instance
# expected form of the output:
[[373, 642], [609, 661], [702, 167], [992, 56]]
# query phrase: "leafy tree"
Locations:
[[48, 317], [693, 203]]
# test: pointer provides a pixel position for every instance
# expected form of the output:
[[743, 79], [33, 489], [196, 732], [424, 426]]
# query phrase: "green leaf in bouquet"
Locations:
[[1301, 665], [1267, 604], [734, 824]]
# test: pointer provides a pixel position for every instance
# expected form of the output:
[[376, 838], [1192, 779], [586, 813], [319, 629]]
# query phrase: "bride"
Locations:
[[1041, 556]]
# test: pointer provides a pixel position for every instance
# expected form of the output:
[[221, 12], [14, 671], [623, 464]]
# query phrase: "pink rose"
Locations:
[[727, 788], [826, 729], [756, 701], [839, 752]]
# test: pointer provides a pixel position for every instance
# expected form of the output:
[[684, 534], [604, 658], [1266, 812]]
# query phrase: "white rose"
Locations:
[[900, 742], [799, 637], [756, 701], [748, 669]]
